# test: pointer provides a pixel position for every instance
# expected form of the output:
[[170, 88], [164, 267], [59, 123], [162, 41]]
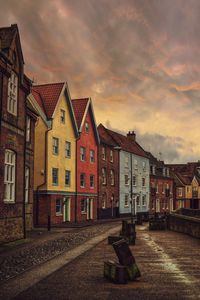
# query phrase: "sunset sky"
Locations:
[[139, 61]]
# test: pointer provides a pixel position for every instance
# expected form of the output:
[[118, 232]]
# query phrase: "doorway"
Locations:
[[67, 210]]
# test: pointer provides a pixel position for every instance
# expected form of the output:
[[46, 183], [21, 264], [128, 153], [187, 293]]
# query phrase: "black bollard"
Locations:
[[49, 223]]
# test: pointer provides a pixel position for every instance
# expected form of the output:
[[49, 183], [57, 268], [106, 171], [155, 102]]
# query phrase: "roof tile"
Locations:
[[79, 106]]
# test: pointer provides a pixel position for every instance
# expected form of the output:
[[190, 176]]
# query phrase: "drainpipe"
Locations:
[[132, 190], [76, 177], [45, 174]]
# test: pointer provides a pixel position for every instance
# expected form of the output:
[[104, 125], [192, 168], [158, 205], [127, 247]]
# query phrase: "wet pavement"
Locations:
[[169, 263]]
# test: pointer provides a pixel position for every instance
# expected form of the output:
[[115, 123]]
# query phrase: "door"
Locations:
[[67, 210], [89, 209], [157, 205]]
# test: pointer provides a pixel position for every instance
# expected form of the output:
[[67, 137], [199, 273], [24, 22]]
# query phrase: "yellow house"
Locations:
[[55, 152]]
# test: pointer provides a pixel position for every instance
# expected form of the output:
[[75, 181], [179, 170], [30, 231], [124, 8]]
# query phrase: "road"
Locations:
[[169, 263]]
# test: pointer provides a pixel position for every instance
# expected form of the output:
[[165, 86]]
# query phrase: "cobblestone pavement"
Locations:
[[17, 261], [169, 263]]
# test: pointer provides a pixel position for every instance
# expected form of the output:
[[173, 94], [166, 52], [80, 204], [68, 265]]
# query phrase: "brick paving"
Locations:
[[169, 263]]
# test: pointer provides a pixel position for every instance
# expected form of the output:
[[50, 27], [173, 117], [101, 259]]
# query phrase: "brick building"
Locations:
[[17, 119], [161, 187], [86, 161], [108, 165]]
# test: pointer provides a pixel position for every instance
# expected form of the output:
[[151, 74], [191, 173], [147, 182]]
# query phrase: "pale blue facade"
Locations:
[[134, 189]]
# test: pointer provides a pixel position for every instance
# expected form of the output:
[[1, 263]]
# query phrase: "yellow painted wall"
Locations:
[[64, 132], [39, 153], [195, 184], [188, 191]]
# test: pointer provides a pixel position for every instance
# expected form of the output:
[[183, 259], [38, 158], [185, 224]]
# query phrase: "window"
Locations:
[[91, 181], [83, 205], [134, 180], [103, 175], [27, 172], [12, 94], [135, 164], [154, 170], [58, 207], [62, 116], [54, 176], [86, 127], [144, 165], [9, 176], [180, 192], [82, 153], [138, 200], [111, 155], [126, 163], [143, 181], [144, 201], [112, 177], [103, 203], [28, 129], [103, 153], [156, 187], [67, 149], [67, 177], [163, 188], [82, 180], [126, 179], [92, 159], [55, 145], [126, 200]]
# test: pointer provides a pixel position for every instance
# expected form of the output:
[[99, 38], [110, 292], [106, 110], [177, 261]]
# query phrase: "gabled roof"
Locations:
[[81, 107], [127, 144], [47, 96], [7, 37], [186, 172], [105, 137]]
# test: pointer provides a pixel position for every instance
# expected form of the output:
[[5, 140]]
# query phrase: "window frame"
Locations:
[[28, 129], [83, 180], [55, 183], [59, 213], [82, 154], [54, 146], [93, 181], [104, 177], [27, 184], [83, 206], [62, 116], [10, 161], [12, 99], [92, 157], [67, 150], [126, 200], [68, 173]]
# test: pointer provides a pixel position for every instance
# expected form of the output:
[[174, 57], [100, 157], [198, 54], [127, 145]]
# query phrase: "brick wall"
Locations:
[[185, 224]]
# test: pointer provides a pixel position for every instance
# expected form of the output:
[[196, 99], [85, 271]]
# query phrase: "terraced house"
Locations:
[[133, 175], [108, 201], [86, 161], [17, 121], [55, 154]]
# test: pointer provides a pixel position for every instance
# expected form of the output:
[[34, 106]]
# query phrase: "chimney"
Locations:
[[131, 135]]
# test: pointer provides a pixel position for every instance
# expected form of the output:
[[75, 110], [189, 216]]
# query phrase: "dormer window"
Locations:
[[12, 94]]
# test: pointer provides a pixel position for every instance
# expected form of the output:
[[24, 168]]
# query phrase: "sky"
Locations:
[[139, 61]]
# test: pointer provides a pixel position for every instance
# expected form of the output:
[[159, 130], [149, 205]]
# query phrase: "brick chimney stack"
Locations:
[[131, 135]]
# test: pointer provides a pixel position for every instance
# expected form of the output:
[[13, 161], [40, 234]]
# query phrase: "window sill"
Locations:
[[83, 212], [59, 214], [9, 201]]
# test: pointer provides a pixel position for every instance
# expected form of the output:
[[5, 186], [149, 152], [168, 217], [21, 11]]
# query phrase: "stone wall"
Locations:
[[11, 229], [184, 224]]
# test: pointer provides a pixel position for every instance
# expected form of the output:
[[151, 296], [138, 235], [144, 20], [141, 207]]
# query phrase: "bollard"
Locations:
[[49, 223], [123, 253]]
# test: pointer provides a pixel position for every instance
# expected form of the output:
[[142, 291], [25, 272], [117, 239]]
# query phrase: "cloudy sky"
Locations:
[[139, 60]]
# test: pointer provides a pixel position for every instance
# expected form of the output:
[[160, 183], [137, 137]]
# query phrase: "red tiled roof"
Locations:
[[79, 106], [127, 144], [186, 172], [105, 137], [47, 96]]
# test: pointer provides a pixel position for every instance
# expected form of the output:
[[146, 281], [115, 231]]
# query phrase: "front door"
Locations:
[[89, 209], [67, 210], [157, 205]]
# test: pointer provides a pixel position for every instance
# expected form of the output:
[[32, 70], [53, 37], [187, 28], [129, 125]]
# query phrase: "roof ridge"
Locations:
[[54, 83]]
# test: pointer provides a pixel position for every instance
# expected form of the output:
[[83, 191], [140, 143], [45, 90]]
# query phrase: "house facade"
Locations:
[[108, 165], [55, 154], [17, 121], [161, 187], [86, 161], [133, 175]]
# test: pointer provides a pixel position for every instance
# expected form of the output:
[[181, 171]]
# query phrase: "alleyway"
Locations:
[[169, 263]]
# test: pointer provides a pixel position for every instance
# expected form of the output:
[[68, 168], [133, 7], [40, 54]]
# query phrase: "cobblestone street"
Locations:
[[169, 263]]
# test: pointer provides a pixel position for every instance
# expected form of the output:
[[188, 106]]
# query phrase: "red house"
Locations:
[[86, 161]]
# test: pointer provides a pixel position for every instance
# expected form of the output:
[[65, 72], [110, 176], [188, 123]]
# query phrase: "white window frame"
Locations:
[[111, 155], [55, 146], [68, 174], [112, 177], [138, 201], [82, 180], [126, 179], [83, 206], [92, 181], [82, 153], [59, 213], [126, 161], [28, 129], [144, 200], [12, 94], [126, 200], [87, 127], [53, 170], [9, 176], [92, 156], [180, 192], [134, 178], [104, 176], [103, 153], [62, 116], [67, 149], [27, 183], [103, 202]]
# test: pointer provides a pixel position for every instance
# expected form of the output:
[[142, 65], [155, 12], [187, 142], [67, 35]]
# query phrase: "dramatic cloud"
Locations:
[[139, 60]]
